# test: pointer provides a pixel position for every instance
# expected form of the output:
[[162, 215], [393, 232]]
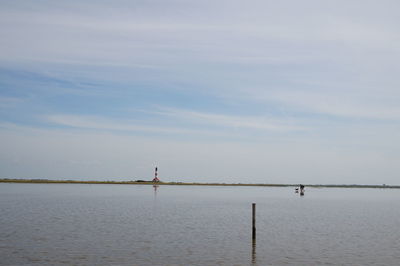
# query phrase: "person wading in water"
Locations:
[[301, 190]]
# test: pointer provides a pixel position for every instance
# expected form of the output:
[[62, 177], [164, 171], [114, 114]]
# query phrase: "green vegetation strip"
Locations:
[[143, 182]]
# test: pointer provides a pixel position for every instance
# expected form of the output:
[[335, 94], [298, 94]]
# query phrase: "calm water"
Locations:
[[70, 224]]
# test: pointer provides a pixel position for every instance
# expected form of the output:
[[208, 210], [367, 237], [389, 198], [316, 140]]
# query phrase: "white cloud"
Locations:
[[100, 123], [231, 121], [7, 102], [344, 103], [139, 32], [184, 123]]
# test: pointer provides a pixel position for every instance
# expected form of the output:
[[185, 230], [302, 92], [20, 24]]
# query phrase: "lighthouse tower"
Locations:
[[155, 179]]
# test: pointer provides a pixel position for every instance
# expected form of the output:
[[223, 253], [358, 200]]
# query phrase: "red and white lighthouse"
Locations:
[[155, 179]]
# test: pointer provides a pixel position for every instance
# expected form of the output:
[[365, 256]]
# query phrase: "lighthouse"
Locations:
[[155, 179]]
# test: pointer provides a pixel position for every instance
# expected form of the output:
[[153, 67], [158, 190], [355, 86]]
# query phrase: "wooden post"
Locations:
[[254, 222]]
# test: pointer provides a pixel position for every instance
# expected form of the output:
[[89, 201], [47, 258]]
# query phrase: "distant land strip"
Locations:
[[144, 182]]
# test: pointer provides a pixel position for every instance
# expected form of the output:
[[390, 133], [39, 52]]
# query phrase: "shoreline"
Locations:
[[141, 182]]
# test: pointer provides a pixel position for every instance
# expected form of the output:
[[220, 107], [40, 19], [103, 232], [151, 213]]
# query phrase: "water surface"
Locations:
[[80, 224]]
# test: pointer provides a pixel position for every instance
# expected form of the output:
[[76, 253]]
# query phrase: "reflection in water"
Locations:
[[301, 190], [253, 252], [155, 187]]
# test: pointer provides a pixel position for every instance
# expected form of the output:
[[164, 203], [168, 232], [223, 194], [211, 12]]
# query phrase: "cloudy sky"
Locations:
[[209, 91]]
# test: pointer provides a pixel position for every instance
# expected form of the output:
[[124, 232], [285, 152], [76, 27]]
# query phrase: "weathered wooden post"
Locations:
[[254, 222]]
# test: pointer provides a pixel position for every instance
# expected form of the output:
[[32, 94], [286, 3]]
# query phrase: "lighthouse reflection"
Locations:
[[155, 188]]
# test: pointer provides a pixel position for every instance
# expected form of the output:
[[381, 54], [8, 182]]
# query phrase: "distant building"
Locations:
[[155, 179]]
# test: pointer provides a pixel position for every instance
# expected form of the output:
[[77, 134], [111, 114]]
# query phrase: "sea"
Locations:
[[109, 224]]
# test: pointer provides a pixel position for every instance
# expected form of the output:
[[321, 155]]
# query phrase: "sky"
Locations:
[[219, 91]]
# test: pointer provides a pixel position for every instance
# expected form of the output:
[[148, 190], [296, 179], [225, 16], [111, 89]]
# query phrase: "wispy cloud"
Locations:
[[348, 104], [6, 102], [101, 123], [231, 121], [186, 122], [140, 32]]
